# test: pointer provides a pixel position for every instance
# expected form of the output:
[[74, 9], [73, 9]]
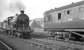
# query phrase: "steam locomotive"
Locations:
[[19, 27]]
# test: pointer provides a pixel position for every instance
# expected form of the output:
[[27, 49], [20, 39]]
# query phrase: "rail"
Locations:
[[53, 45], [6, 45]]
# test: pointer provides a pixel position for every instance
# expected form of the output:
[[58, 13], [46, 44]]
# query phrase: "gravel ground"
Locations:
[[22, 44], [18, 44]]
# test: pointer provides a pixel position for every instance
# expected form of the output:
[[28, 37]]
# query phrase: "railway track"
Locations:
[[4, 46], [46, 44], [59, 45]]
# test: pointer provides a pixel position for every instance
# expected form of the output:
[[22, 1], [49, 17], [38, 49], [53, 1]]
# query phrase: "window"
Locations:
[[81, 9], [68, 12], [59, 16]]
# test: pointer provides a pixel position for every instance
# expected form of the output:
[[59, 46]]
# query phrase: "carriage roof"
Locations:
[[65, 7]]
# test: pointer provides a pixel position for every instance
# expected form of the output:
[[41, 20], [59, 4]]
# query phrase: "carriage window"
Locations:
[[59, 16], [68, 12], [81, 9]]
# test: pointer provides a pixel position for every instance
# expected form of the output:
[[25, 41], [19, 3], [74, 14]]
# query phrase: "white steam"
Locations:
[[16, 5], [10, 7]]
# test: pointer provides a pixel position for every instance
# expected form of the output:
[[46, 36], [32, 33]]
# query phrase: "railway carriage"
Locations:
[[68, 19]]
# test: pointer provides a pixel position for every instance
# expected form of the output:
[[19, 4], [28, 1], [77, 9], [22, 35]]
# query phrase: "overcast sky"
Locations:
[[36, 8], [33, 8]]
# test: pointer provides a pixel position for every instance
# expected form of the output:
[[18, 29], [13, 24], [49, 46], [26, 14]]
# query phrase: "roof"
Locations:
[[66, 7]]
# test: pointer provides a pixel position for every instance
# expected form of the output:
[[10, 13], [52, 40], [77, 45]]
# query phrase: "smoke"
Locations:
[[16, 5], [2, 7], [10, 7]]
